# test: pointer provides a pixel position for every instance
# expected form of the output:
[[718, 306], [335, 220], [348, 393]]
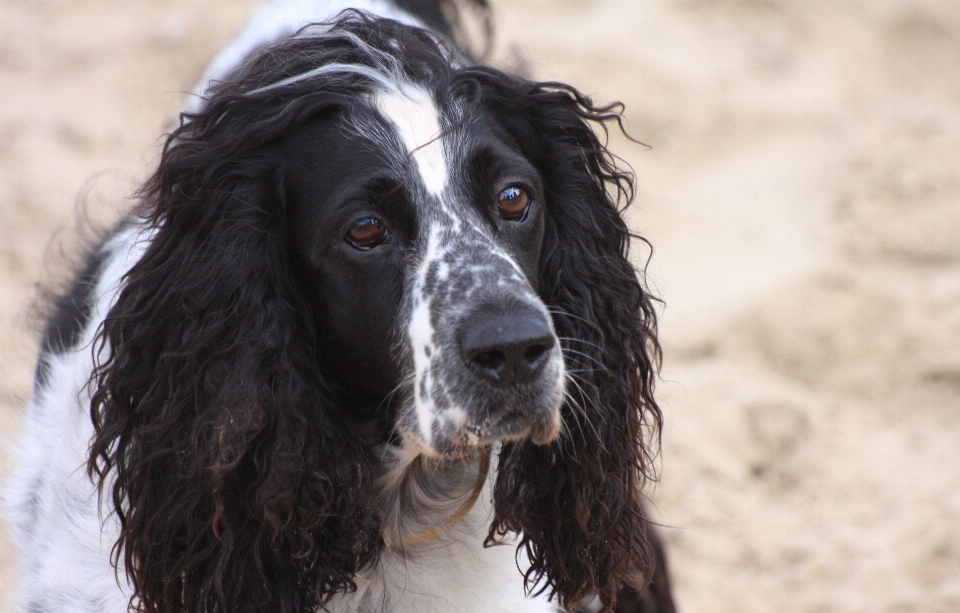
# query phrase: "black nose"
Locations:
[[507, 347]]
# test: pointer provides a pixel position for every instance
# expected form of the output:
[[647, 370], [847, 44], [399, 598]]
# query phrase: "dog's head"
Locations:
[[415, 224], [362, 239]]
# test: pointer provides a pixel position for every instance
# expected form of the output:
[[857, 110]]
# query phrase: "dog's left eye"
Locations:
[[367, 233], [513, 203]]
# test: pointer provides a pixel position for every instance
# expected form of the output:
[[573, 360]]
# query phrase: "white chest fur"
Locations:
[[452, 573]]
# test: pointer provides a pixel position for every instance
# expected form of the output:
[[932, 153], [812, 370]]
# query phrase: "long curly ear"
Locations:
[[577, 502], [236, 485]]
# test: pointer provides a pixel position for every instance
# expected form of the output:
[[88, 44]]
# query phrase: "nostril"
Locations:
[[533, 353], [490, 360]]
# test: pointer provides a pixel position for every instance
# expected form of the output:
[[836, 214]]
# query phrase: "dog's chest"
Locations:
[[453, 573]]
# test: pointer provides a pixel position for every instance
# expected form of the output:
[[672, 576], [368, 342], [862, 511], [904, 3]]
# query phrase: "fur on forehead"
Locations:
[[354, 54], [388, 82], [417, 121]]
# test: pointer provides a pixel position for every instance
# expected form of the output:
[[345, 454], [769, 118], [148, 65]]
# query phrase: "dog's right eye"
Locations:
[[367, 233], [513, 203]]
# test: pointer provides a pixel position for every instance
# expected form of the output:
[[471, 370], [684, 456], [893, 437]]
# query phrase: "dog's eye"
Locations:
[[513, 203], [366, 233]]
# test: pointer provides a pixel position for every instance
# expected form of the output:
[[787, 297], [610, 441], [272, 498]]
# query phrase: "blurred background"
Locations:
[[802, 196]]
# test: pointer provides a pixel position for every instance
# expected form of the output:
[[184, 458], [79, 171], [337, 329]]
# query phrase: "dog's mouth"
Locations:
[[459, 436]]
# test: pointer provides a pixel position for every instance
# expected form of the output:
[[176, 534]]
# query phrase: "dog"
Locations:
[[369, 341]]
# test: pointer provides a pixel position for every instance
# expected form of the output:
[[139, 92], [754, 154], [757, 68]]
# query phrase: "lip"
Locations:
[[514, 425]]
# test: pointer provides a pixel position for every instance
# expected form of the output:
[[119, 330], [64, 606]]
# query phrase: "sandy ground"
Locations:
[[801, 194]]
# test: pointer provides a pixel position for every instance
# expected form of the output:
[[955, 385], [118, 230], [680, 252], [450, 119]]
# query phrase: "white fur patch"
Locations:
[[417, 120], [64, 537], [422, 340], [454, 573]]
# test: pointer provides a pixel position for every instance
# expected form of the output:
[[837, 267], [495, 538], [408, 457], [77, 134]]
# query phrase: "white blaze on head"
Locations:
[[417, 119]]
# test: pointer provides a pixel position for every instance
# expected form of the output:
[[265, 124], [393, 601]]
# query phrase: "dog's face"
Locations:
[[416, 230]]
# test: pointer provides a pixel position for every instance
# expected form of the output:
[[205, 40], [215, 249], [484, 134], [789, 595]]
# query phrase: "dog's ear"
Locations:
[[576, 503], [236, 486]]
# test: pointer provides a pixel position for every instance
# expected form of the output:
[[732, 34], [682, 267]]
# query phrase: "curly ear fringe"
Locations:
[[577, 502], [235, 487], [235, 484]]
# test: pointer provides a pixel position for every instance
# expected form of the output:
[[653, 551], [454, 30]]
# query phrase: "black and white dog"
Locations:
[[370, 342]]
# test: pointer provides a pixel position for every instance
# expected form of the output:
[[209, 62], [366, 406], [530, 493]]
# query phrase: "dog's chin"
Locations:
[[464, 440]]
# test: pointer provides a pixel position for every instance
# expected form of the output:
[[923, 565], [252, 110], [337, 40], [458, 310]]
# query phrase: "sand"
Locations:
[[801, 195]]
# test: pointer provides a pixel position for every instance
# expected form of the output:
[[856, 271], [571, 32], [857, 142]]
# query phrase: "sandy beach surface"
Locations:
[[802, 195]]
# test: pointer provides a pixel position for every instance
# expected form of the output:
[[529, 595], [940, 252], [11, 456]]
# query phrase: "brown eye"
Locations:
[[513, 202], [367, 233]]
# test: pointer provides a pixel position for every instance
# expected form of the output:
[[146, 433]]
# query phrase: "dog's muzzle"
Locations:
[[509, 383]]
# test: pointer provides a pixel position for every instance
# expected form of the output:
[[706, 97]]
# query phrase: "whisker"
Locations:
[[581, 341], [555, 310], [403, 383], [566, 350], [582, 409]]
